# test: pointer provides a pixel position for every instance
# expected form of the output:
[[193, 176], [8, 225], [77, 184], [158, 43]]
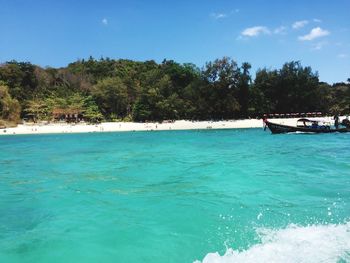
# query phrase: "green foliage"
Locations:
[[91, 111], [9, 108], [222, 77], [37, 109], [108, 89], [141, 110], [341, 99], [111, 96], [292, 89], [244, 82]]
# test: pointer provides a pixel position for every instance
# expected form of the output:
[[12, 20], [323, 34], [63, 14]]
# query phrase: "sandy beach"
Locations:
[[133, 126]]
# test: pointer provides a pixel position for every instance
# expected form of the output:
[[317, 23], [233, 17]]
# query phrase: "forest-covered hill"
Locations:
[[108, 89]]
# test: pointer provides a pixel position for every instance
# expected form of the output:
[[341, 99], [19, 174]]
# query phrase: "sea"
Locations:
[[240, 195]]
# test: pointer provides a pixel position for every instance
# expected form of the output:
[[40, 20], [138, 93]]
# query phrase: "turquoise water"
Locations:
[[176, 196]]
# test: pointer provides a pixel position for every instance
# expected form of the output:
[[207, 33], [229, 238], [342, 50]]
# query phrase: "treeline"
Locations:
[[111, 90]]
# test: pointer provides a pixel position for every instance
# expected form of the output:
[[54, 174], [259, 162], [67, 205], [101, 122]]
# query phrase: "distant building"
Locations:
[[68, 115]]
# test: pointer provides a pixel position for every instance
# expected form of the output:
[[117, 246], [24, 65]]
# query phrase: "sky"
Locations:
[[264, 33]]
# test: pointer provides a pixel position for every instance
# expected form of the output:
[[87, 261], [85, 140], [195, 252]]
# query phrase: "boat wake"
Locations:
[[301, 132], [316, 243]]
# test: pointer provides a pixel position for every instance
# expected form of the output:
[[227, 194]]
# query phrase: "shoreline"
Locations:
[[59, 128]]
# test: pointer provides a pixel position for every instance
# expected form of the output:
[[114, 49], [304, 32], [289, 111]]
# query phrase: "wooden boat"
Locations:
[[306, 126]]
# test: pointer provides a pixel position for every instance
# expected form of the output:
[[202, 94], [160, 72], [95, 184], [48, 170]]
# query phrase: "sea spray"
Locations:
[[315, 243]]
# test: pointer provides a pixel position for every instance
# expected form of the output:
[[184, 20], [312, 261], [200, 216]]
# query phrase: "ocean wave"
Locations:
[[315, 243]]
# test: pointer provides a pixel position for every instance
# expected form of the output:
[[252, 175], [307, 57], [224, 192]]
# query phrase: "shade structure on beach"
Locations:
[[66, 114]]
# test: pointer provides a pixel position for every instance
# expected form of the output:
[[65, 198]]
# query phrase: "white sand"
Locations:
[[132, 126]]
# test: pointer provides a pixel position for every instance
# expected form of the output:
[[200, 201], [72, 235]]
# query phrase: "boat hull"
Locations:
[[276, 128]]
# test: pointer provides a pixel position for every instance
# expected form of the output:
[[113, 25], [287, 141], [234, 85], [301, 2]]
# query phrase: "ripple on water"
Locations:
[[98, 197]]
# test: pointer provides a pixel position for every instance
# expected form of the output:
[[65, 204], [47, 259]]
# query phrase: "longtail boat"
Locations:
[[308, 126]]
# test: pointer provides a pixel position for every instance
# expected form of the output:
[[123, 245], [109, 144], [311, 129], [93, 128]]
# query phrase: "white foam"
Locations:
[[316, 243]]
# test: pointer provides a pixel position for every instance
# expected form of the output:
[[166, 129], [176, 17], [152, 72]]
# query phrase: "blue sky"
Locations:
[[264, 33]]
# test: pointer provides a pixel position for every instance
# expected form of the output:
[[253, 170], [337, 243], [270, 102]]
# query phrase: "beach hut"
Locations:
[[68, 115]]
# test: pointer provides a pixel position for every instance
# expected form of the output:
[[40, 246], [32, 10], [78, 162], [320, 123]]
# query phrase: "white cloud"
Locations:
[[280, 30], [104, 21], [314, 33], [218, 15], [342, 55], [224, 15], [255, 31], [319, 45], [300, 24], [316, 20], [339, 44]]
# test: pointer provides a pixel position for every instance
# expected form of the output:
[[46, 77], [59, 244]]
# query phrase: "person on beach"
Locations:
[[336, 121], [264, 122], [346, 122]]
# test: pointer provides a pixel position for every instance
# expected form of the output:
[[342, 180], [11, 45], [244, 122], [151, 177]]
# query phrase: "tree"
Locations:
[[156, 87], [141, 110], [20, 79], [36, 109], [222, 78], [91, 111], [132, 90], [10, 108], [243, 89], [111, 97], [291, 89], [340, 101]]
